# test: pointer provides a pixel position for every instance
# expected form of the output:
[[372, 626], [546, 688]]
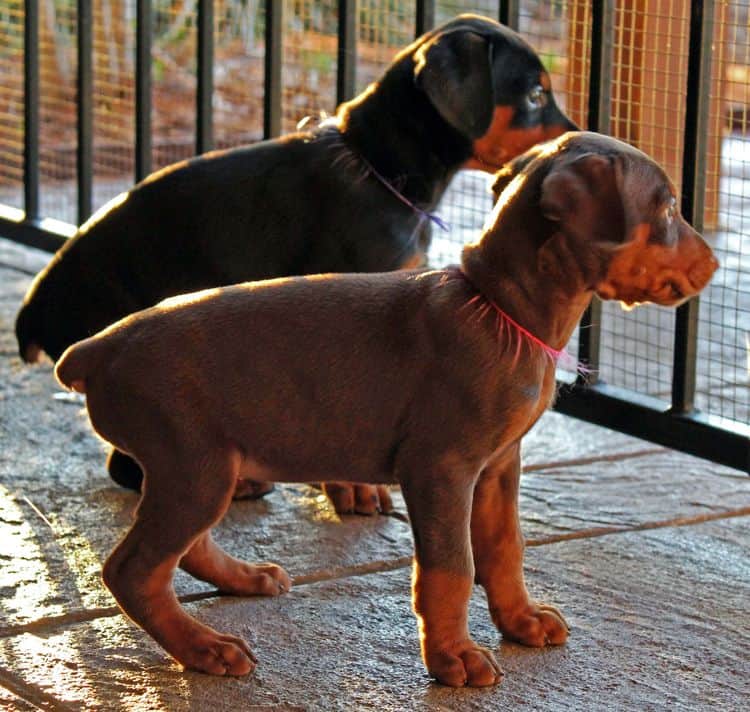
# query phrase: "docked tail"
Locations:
[[47, 321], [27, 326], [57, 309], [74, 365]]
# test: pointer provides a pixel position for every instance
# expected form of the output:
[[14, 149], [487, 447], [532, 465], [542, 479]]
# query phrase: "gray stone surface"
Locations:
[[628, 492], [9, 701], [659, 617], [550, 441], [656, 618]]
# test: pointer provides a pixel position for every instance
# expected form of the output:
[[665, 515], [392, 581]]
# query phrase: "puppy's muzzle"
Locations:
[[668, 275]]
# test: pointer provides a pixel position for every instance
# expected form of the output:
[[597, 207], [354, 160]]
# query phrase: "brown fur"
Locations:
[[400, 377]]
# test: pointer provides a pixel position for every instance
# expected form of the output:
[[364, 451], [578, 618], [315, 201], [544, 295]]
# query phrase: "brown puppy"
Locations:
[[427, 378]]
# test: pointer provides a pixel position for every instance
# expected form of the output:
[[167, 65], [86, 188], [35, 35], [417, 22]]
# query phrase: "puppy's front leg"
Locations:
[[498, 547], [439, 502]]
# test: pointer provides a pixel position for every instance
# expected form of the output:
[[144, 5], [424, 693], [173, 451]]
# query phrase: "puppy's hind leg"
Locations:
[[182, 498], [126, 472], [207, 561]]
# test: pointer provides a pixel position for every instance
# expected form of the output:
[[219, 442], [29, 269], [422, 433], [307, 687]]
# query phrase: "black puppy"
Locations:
[[471, 93]]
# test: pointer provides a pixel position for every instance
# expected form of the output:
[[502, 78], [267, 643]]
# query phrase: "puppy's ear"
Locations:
[[512, 168], [582, 196], [454, 69]]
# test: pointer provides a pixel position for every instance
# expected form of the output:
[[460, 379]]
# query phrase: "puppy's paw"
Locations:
[[536, 625], [350, 498], [256, 580], [216, 654], [464, 664]]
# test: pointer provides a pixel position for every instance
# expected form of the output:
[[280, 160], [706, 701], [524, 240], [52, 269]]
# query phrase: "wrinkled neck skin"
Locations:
[[404, 138], [541, 283]]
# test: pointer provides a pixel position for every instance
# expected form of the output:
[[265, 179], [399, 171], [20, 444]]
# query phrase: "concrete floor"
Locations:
[[645, 550]]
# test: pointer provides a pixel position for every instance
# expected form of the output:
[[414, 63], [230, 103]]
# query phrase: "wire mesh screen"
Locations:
[[648, 109], [383, 28], [723, 378], [11, 104], [57, 110], [114, 99], [239, 50], [238, 76], [311, 45], [309, 59], [173, 69]]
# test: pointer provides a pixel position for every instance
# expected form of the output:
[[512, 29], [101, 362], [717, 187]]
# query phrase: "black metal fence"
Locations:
[[101, 93]]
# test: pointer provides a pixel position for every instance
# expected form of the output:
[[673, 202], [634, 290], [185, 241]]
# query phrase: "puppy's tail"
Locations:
[[45, 318], [74, 366], [26, 328], [60, 308]]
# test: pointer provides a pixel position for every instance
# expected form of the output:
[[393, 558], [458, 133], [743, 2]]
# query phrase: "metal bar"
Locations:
[[85, 106], [204, 94], [509, 13], [425, 17], [272, 93], [144, 31], [599, 109], [34, 234], [31, 109], [643, 417], [590, 340], [600, 76], [346, 75], [695, 147]]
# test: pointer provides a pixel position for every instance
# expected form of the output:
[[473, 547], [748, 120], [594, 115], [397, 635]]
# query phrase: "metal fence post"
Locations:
[[346, 69], [85, 106], [272, 81], [600, 83], [509, 13], [693, 192], [204, 95], [31, 110], [425, 17], [143, 33]]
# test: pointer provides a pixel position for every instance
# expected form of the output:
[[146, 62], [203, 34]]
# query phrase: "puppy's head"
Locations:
[[490, 85], [663, 259], [611, 213]]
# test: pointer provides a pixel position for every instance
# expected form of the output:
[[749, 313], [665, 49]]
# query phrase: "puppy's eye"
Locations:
[[536, 98], [671, 211]]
